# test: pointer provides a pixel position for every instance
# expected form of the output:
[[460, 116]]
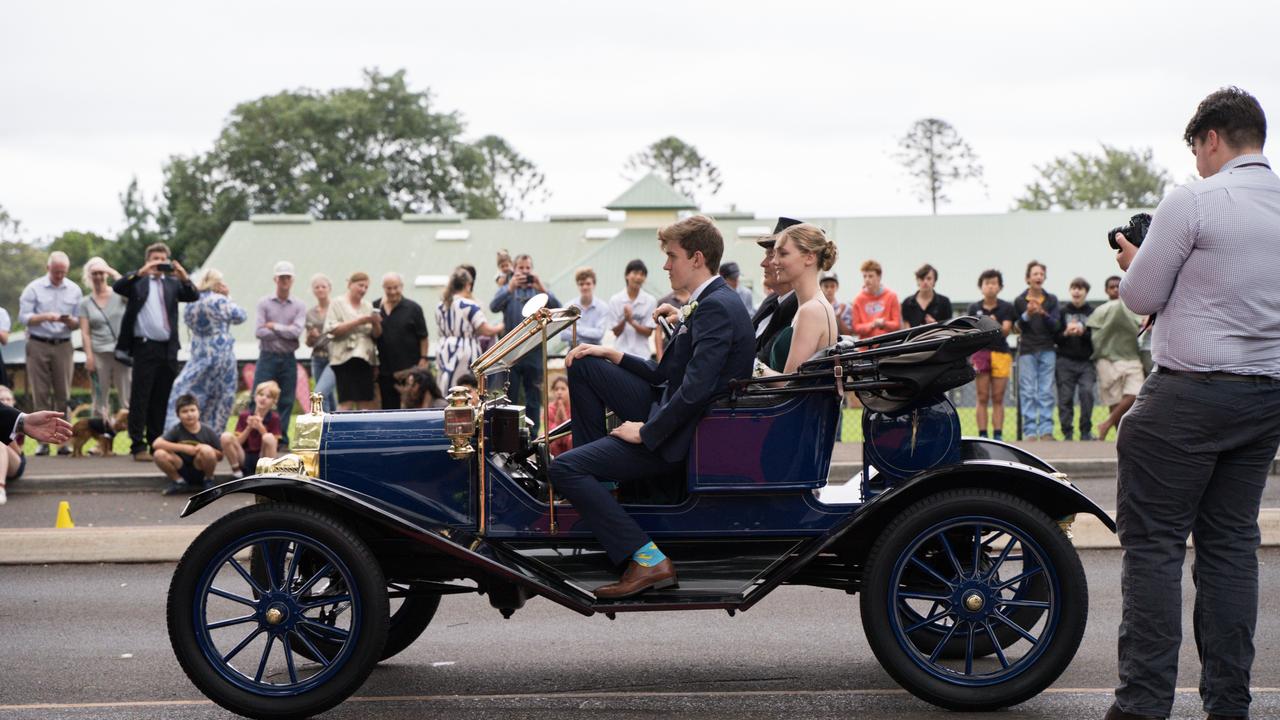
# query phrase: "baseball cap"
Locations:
[[730, 270], [828, 275], [284, 267]]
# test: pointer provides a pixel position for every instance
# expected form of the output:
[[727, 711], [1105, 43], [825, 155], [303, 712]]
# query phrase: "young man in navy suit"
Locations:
[[660, 403]]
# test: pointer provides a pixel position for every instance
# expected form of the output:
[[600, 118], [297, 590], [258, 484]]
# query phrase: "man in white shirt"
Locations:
[[594, 320], [631, 313], [50, 308]]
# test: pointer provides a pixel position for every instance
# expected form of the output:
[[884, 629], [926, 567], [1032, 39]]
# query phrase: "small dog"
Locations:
[[95, 428]]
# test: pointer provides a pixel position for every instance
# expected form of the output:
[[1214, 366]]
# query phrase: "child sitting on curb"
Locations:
[[189, 453], [257, 432]]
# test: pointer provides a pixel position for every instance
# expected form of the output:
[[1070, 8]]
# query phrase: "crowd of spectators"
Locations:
[[376, 354]]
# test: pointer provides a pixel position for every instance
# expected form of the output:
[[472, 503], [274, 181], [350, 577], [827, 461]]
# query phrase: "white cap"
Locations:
[[284, 267]]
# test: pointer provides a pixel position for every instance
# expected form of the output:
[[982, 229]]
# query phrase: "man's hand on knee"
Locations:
[[613, 355], [628, 432]]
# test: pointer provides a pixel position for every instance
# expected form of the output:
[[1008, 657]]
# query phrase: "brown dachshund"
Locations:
[[95, 428]]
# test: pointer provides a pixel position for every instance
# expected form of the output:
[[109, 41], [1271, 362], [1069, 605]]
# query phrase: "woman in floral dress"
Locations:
[[459, 319], [210, 374]]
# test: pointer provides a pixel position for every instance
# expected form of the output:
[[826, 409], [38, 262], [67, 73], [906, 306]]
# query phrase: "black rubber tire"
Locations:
[[1060, 554], [367, 581]]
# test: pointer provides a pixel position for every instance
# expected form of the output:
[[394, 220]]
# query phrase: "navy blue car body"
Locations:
[[972, 595]]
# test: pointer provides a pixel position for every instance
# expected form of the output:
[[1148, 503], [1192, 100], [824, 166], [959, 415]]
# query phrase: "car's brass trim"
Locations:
[[308, 428], [302, 462], [460, 399], [481, 477]]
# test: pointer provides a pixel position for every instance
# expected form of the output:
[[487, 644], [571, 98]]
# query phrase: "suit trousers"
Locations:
[[153, 376], [1193, 460], [49, 369], [1075, 377], [594, 385]]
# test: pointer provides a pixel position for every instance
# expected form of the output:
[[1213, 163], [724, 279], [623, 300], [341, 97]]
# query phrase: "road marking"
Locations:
[[867, 692]]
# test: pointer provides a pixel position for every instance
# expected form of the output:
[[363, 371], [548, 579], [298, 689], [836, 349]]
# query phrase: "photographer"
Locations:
[[526, 375], [149, 336], [1195, 450]]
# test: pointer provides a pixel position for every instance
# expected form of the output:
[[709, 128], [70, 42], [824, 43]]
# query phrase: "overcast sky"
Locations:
[[800, 104]]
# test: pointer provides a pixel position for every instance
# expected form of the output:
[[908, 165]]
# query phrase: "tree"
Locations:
[[20, 262], [680, 164], [140, 230], [373, 152], [936, 156], [79, 247], [508, 183], [1113, 179]]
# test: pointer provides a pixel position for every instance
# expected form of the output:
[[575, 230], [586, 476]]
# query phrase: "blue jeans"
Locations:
[[326, 382], [1035, 391], [283, 368]]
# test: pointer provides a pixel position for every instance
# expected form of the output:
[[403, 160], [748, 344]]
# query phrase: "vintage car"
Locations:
[[972, 595]]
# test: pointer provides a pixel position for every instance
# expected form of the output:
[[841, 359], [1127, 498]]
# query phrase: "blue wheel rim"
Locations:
[[963, 577], [241, 622]]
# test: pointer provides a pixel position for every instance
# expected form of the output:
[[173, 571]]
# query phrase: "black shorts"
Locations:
[[354, 380], [189, 472]]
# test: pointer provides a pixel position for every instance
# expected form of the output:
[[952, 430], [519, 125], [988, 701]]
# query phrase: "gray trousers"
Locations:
[[1193, 460], [1075, 376]]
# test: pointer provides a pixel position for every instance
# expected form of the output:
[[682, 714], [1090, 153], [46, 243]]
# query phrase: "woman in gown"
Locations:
[[210, 374], [803, 251], [460, 321]]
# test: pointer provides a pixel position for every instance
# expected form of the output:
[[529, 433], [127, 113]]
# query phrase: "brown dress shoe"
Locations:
[[639, 578], [143, 456], [1115, 713]]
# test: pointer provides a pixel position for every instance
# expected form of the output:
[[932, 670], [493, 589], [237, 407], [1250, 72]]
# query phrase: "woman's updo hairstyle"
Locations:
[[813, 240]]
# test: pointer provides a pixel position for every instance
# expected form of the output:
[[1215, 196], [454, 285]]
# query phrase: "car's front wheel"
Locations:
[[234, 634], [956, 564]]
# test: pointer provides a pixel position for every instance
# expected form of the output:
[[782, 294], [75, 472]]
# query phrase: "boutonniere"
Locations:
[[686, 312]]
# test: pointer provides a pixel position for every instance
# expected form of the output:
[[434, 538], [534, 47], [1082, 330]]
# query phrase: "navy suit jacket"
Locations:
[[136, 289], [715, 345]]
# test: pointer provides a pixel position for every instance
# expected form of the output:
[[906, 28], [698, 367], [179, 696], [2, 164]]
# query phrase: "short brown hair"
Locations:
[[158, 247], [695, 234], [358, 276], [872, 266], [924, 270], [584, 273], [1234, 114], [1037, 263]]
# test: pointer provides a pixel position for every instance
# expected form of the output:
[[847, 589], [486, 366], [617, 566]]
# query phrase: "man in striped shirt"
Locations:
[[1195, 450]]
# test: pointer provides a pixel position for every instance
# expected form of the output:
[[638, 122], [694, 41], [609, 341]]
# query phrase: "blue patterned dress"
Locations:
[[210, 374], [458, 322]]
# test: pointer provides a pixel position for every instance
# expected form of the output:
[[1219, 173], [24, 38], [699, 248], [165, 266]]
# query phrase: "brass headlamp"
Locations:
[[305, 458], [460, 423]]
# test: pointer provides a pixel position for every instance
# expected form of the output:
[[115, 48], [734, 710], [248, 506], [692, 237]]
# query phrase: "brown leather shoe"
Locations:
[[639, 578], [143, 456], [1115, 713]]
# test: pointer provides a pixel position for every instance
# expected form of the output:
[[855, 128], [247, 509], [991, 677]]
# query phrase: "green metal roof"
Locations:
[[651, 193]]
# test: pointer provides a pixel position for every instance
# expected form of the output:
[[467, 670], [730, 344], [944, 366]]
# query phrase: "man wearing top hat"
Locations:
[[779, 308]]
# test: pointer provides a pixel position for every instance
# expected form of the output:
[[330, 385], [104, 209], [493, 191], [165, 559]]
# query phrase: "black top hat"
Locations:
[[783, 223]]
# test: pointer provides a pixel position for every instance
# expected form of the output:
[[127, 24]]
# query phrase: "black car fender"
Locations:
[[1051, 492]]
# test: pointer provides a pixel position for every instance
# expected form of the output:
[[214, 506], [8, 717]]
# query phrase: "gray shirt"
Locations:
[[153, 317], [1208, 267], [42, 296], [104, 322]]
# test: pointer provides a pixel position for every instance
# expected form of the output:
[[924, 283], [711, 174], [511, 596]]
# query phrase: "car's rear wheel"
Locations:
[[234, 634], [918, 579]]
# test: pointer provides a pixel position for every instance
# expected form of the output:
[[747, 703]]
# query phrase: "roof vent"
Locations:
[[430, 281], [607, 233], [452, 235], [281, 219], [579, 217], [754, 231], [432, 218]]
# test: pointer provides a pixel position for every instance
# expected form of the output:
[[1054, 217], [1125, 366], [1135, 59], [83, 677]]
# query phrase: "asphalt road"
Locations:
[[89, 642]]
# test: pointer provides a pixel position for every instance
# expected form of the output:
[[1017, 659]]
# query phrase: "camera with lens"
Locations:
[[1135, 232]]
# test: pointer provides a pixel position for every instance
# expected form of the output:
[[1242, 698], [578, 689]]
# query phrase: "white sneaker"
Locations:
[[3, 498]]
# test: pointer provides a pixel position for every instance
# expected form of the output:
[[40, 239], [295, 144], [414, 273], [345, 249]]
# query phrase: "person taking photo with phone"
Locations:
[[50, 308]]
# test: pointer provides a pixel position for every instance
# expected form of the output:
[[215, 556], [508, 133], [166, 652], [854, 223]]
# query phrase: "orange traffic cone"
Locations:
[[64, 516]]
